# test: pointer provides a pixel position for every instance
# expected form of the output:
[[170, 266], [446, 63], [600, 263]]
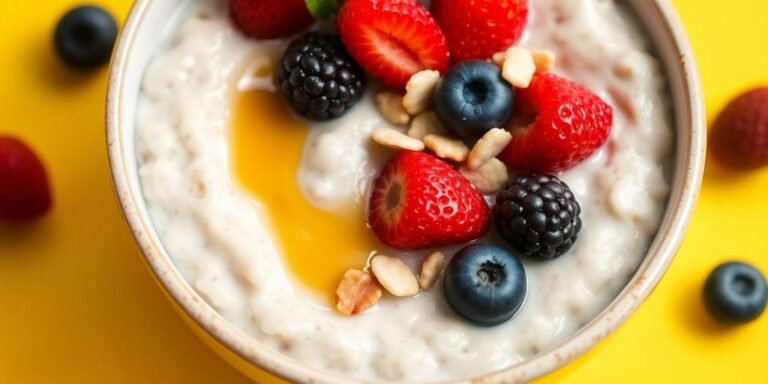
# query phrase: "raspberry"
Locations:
[[318, 78], [739, 137], [538, 215]]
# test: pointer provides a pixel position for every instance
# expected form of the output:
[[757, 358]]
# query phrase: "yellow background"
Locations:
[[78, 306]]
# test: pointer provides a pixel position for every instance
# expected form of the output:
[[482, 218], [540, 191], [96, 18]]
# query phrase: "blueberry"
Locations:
[[735, 293], [485, 284], [472, 98], [84, 37]]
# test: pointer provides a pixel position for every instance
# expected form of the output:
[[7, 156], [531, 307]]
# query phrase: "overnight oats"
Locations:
[[405, 191]]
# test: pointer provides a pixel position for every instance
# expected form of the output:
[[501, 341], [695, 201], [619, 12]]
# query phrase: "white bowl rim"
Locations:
[[657, 260]]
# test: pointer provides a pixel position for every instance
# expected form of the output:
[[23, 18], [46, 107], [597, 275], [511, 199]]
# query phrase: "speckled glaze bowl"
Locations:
[[139, 38]]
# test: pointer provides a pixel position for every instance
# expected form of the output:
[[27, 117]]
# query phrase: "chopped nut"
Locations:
[[518, 67], [394, 139], [543, 59], [390, 106], [498, 58], [447, 148], [419, 90], [489, 178], [356, 293], [394, 276], [425, 123], [430, 269], [488, 147]]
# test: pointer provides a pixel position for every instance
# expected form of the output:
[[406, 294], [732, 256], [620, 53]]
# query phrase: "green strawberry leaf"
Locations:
[[322, 9]]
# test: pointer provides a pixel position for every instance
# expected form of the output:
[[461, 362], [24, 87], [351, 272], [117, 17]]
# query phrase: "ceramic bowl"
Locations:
[[147, 21]]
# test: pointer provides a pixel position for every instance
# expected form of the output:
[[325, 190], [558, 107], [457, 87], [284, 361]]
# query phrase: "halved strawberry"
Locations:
[[556, 124], [24, 189], [419, 201], [392, 39]]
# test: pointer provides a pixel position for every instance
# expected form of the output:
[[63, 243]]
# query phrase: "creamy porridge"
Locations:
[[222, 240]]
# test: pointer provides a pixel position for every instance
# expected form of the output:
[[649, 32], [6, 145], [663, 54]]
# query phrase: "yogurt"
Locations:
[[222, 243]]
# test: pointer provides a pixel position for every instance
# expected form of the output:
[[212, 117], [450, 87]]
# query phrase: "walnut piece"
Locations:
[[356, 293]]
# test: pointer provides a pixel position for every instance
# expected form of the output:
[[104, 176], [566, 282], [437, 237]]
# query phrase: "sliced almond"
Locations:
[[446, 148], [430, 269], [489, 146], [394, 276], [394, 139], [518, 68], [543, 59], [356, 293], [419, 90], [426, 123], [489, 177], [390, 106]]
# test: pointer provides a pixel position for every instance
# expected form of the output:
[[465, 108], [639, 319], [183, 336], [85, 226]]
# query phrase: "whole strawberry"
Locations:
[[270, 19], [392, 39], [24, 189], [739, 137], [565, 123], [419, 201], [476, 29]]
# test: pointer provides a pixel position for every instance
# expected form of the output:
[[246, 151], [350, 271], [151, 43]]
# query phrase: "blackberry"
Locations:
[[538, 215], [319, 78]]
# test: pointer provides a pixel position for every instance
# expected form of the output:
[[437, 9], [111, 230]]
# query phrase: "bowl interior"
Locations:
[[139, 41]]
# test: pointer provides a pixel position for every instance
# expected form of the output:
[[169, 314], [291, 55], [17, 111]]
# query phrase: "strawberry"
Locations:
[[476, 29], [270, 19], [739, 136], [419, 201], [392, 39], [556, 124], [24, 190]]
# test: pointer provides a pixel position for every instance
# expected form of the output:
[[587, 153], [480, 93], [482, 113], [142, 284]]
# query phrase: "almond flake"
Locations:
[[543, 59], [488, 147], [447, 148], [390, 106], [426, 123], [356, 293], [419, 90], [430, 269], [395, 139], [518, 68], [394, 276], [489, 178]]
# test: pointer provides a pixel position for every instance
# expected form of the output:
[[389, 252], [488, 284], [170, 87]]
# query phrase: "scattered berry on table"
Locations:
[[485, 284], [556, 124], [270, 19], [392, 39], [24, 189], [739, 137], [538, 215], [736, 293], [476, 29], [319, 78], [473, 98], [84, 37], [419, 201]]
